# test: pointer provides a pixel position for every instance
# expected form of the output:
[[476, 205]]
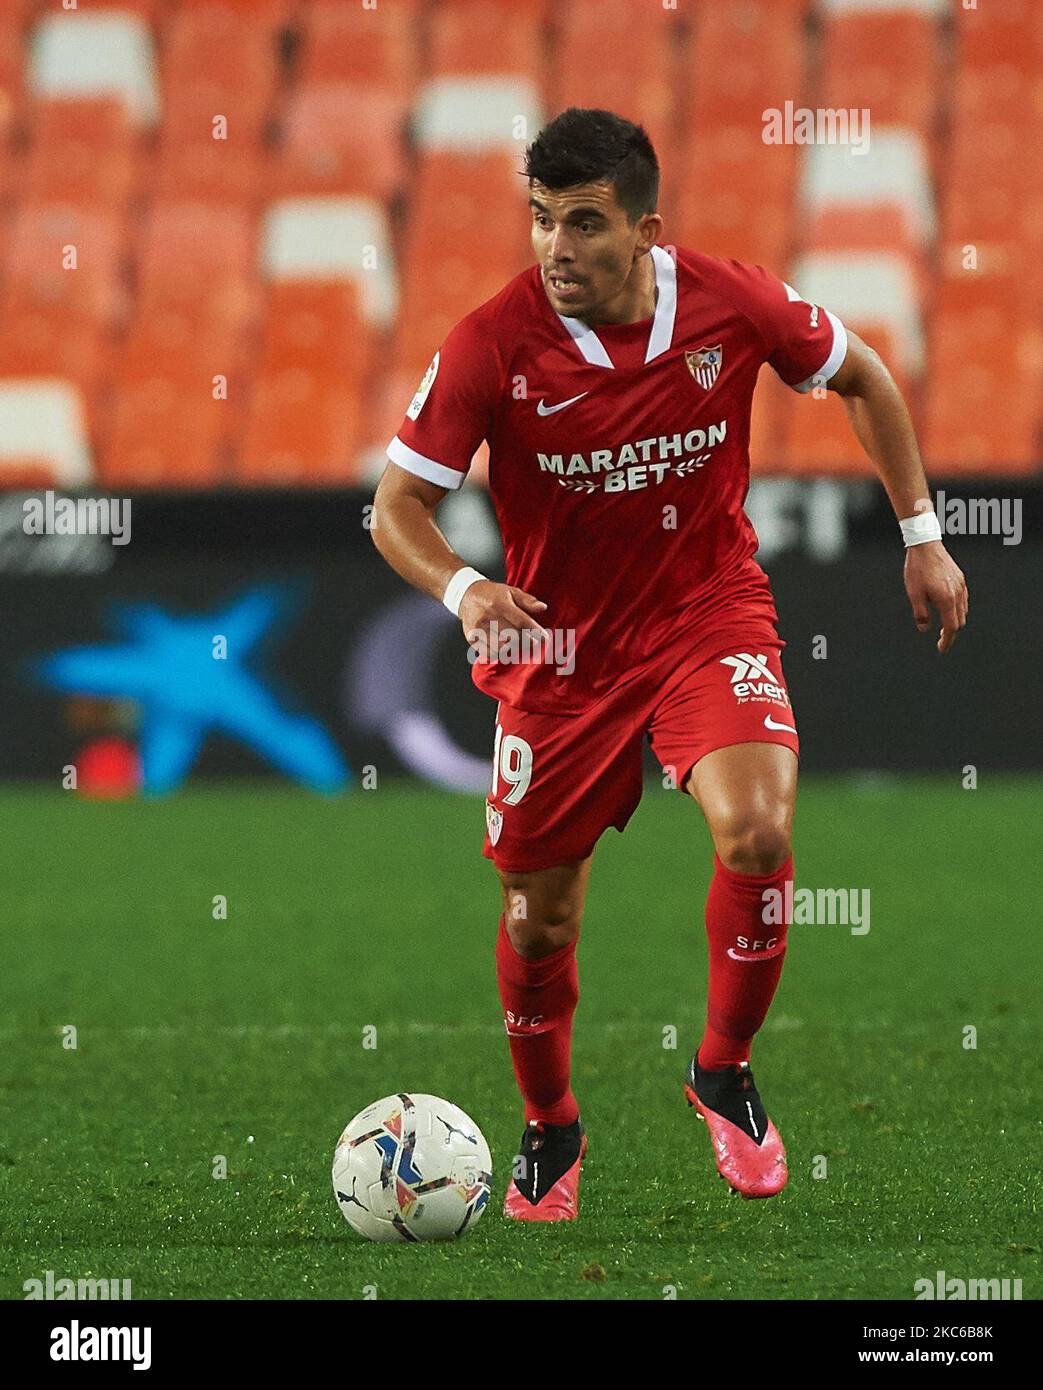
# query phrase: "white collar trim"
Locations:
[[661, 335]]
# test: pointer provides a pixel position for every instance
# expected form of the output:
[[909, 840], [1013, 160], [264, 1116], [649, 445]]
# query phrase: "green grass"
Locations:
[[194, 1034]]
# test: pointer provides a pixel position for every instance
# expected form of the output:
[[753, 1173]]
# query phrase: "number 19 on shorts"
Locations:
[[512, 760]]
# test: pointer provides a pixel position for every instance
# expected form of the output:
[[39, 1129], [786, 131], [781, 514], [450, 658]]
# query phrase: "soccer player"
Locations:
[[613, 382]]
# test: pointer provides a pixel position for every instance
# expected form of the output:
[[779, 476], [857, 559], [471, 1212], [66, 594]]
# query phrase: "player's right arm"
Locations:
[[405, 532], [450, 415]]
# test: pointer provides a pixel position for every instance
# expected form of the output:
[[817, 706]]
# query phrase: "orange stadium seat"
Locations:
[[980, 419], [193, 104], [999, 94], [746, 55], [149, 10], [993, 195], [184, 340], [476, 36], [81, 151], [241, 257], [273, 13], [985, 139], [205, 170], [42, 433], [95, 52], [216, 61], [847, 227], [26, 473], [446, 269], [38, 343], [40, 273], [342, 43], [613, 54], [321, 151], [734, 196], [985, 386], [992, 203], [891, 175], [318, 326], [445, 272], [12, 66], [194, 253], [165, 433], [963, 285], [301, 429], [9, 163], [333, 239], [1010, 34], [886, 62], [731, 193], [456, 193]]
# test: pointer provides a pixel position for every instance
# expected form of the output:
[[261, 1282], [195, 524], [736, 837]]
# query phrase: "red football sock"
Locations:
[[742, 985], [539, 999]]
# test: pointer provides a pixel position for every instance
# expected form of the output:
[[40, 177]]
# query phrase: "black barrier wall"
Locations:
[[332, 664]]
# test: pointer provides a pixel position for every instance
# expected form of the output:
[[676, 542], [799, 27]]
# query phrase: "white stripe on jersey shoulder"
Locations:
[[661, 335], [833, 362], [422, 466]]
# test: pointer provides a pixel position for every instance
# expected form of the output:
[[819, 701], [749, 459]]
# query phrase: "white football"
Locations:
[[412, 1167]]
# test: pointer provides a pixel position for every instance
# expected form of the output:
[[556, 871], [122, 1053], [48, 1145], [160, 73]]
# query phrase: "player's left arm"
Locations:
[[881, 421]]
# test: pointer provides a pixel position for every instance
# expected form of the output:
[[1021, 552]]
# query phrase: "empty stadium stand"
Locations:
[[234, 232]]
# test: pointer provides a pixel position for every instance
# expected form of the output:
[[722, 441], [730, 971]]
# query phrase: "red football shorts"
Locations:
[[559, 780]]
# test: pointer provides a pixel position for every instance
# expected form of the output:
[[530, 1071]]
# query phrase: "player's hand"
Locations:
[[488, 610], [933, 579]]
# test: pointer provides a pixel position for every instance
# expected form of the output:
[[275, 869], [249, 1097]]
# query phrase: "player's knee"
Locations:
[[533, 940], [538, 923], [757, 844]]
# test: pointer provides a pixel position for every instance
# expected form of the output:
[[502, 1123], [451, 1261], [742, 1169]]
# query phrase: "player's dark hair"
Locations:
[[586, 145]]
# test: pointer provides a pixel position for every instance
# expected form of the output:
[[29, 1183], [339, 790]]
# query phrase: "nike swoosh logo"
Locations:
[[769, 723], [542, 409]]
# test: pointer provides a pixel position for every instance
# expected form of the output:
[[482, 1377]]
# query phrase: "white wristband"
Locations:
[[458, 586], [916, 530]]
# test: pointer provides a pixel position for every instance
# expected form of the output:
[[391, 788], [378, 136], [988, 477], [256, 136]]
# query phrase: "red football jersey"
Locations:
[[618, 459]]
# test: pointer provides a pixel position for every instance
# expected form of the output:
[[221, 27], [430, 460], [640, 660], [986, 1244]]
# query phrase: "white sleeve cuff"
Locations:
[[833, 362], [424, 467]]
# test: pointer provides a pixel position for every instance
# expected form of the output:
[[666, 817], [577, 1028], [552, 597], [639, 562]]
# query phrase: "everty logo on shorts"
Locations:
[[751, 678]]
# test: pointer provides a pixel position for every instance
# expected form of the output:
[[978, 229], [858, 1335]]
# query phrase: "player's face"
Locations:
[[585, 246]]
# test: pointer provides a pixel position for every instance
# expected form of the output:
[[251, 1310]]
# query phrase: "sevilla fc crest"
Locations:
[[705, 365], [493, 821]]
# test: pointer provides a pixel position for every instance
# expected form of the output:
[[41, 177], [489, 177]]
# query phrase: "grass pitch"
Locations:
[[242, 1038]]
